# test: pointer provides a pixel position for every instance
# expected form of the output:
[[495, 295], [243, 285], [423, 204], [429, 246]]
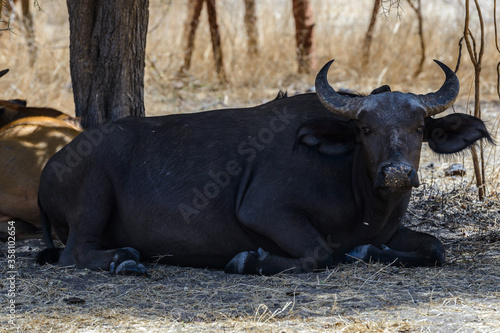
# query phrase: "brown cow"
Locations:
[[12, 110], [26, 145], [15, 109], [29, 136]]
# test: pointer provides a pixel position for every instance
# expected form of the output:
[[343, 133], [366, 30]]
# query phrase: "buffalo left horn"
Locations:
[[340, 105], [442, 99], [3, 72]]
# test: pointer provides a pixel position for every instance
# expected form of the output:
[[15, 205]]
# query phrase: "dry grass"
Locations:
[[463, 295]]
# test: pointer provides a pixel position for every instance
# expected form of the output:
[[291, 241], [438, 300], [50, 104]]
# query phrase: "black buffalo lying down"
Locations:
[[296, 184]]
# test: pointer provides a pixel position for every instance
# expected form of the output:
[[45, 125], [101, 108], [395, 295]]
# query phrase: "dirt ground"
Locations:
[[463, 295]]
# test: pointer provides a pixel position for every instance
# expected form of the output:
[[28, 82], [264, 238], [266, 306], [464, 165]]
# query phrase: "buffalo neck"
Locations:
[[378, 212]]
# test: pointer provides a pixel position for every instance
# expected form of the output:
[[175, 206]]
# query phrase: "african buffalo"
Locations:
[[296, 184]]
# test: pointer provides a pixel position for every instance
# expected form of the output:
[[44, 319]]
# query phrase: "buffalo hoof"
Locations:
[[361, 253], [246, 262], [127, 262], [49, 256]]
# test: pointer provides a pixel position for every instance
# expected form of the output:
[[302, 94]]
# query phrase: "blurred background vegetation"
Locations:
[[340, 29]]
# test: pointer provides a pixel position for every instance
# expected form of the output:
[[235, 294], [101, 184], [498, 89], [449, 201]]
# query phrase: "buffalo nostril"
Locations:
[[399, 175]]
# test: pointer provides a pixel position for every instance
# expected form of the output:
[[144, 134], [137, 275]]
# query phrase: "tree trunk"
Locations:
[[30, 31], [216, 43], [304, 35], [192, 21], [251, 27], [418, 11], [107, 58], [369, 33]]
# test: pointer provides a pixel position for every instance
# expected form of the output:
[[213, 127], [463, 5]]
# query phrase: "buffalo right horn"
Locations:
[[333, 101], [442, 99]]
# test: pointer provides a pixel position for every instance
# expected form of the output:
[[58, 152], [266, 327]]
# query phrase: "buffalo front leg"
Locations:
[[264, 263], [297, 246], [406, 248]]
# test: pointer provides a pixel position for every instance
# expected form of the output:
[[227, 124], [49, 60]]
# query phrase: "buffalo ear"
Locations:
[[454, 133], [328, 136]]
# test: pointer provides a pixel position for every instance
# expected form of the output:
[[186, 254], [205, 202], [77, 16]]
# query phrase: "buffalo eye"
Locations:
[[366, 131], [420, 129]]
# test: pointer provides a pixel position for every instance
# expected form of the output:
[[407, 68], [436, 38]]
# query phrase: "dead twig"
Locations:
[[496, 44], [369, 33], [459, 54], [476, 59], [418, 10]]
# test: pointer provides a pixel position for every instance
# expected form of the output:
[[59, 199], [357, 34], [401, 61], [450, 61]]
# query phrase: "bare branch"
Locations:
[[496, 44], [498, 79], [459, 54], [387, 5], [369, 33], [476, 59], [495, 23], [481, 21], [418, 11]]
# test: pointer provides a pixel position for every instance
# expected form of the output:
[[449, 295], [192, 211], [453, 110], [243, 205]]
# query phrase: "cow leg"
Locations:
[[85, 245], [122, 261], [302, 248], [407, 248], [264, 263]]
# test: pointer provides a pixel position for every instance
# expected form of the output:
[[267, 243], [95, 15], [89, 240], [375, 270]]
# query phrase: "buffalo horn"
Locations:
[[341, 105], [3, 72], [442, 99]]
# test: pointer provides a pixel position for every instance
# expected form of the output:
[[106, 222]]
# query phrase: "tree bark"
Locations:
[[418, 11], [251, 27], [107, 58], [369, 32], [30, 31], [216, 43], [192, 21], [304, 35]]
